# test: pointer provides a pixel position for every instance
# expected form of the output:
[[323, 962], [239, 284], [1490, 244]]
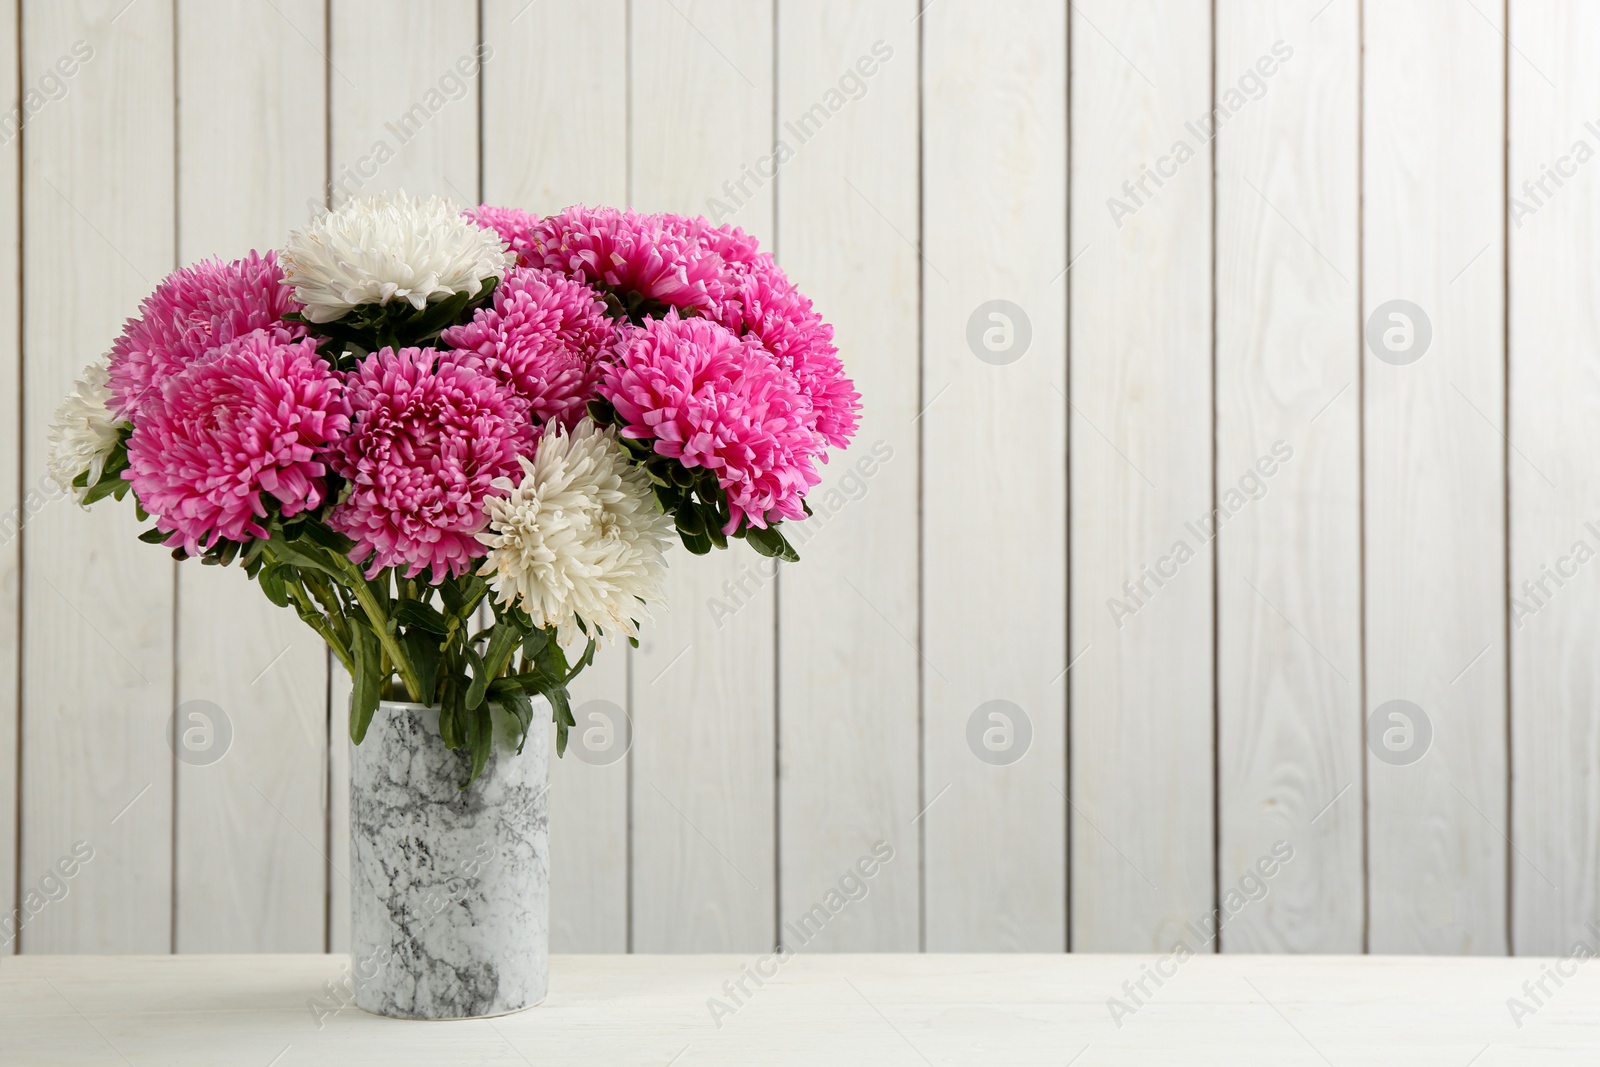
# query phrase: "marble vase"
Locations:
[[450, 887]]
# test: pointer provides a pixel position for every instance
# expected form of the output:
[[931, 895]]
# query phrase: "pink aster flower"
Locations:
[[756, 297], [251, 417], [736, 248], [628, 253], [514, 226], [709, 398], [543, 338], [427, 442], [193, 311], [769, 308]]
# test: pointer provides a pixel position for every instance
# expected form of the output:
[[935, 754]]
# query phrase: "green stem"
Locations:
[[324, 627], [456, 622], [380, 626], [331, 606]]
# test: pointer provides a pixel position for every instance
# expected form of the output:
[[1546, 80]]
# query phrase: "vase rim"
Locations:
[[398, 705]]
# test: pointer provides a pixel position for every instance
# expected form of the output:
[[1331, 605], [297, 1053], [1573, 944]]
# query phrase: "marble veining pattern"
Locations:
[[450, 887]]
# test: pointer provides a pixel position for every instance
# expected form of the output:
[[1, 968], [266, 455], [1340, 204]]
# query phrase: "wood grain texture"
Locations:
[[703, 754], [847, 695], [589, 813], [1023, 1010], [98, 605], [1142, 727], [1289, 544], [551, 76], [251, 874], [338, 830], [13, 514], [403, 84], [994, 475], [1555, 399], [1434, 474]]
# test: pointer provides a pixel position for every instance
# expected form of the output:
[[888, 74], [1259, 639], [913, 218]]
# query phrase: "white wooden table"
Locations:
[[256, 1011]]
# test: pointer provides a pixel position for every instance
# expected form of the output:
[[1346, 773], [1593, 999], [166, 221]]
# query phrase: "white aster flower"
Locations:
[[377, 249], [581, 537], [84, 430]]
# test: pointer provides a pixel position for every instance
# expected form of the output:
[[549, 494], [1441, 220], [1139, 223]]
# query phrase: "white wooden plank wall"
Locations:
[[1434, 454], [994, 453], [97, 612], [10, 497], [1555, 496], [847, 670], [250, 826], [1288, 448], [991, 658], [1142, 689]]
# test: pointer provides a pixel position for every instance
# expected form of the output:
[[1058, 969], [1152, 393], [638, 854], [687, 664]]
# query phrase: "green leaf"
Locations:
[[561, 712], [533, 682], [552, 660], [503, 638], [637, 447], [271, 581], [769, 542], [448, 702], [583, 661], [712, 522], [423, 616], [305, 556], [698, 544], [369, 327], [253, 554], [516, 704], [534, 643], [461, 595], [103, 488], [368, 686], [333, 541], [110, 482], [423, 652], [480, 739], [223, 552], [154, 536], [690, 521], [450, 593], [480, 680]]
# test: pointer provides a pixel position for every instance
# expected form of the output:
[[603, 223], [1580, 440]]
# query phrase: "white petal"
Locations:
[[372, 250]]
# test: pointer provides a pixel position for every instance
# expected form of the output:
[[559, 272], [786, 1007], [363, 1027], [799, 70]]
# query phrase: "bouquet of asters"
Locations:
[[413, 411]]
